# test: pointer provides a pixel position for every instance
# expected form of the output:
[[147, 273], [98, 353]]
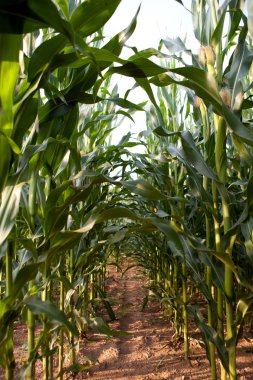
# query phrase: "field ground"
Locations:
[[151, 351]]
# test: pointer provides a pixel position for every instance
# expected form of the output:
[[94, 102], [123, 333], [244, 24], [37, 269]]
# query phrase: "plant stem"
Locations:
[[61, 338], [185, 314], [10, 361], [71, 279], [46, 348], [221, 165], [175, 292], [30, 373], [206, 135]]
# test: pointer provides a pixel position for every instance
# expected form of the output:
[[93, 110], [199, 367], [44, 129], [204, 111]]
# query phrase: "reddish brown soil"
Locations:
[[150, 352]]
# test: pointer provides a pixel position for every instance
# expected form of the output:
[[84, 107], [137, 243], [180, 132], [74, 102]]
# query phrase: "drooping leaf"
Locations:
[[144, 189], [9, 67], [44, 54], [101, 326], [124, 103], [24, 275], [210, 335], [193, 156], [39, 307], [174, 45], [203, 83], [205, 87], [241, 62], [139, 68], [106, 303], [244, 306], [162, 80]]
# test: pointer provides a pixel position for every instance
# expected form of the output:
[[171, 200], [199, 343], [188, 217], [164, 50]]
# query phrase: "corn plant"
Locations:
[[210, 153], [54, 187]]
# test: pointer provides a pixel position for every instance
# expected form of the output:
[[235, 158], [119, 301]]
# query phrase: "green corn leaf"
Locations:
[[241, 62], [124, 103], [250, 196], [117, 42], [6, 351], [203, 83], [24, 118], [103, 55], [144, 83], [92, 15], [17, 18], [195, 183], [236, 17], [63, 240], [247, 229], [205, 87], [5, 160], [174, 45], [9, 209], [9, 67], [243, 307], [10, 143], [218, 31], [56, 109], [47, 308], [247, 104], [192, 155], [24, 275], [64, 5], [210, 335], [100, 57], [139, 68], [77, 367], [29, 245], [143, 189], [44, 54], [161, 131], [147, 53], [127, 114], [171, 231], [48, 13], [237, 127], [162, 80], [114, 213], [242, 150], [29, 15], [106, 303], [111, 50], [101, 326]]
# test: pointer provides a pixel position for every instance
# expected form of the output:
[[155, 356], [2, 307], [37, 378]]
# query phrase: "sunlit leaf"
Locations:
[[91, 15]]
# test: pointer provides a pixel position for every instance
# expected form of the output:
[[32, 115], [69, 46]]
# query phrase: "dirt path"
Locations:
[[148, 353]]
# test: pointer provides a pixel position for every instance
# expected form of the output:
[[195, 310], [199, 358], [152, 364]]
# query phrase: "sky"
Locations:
[[157, 20]]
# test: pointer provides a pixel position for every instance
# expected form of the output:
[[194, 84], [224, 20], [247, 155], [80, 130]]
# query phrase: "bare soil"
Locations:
[[150, 352]]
